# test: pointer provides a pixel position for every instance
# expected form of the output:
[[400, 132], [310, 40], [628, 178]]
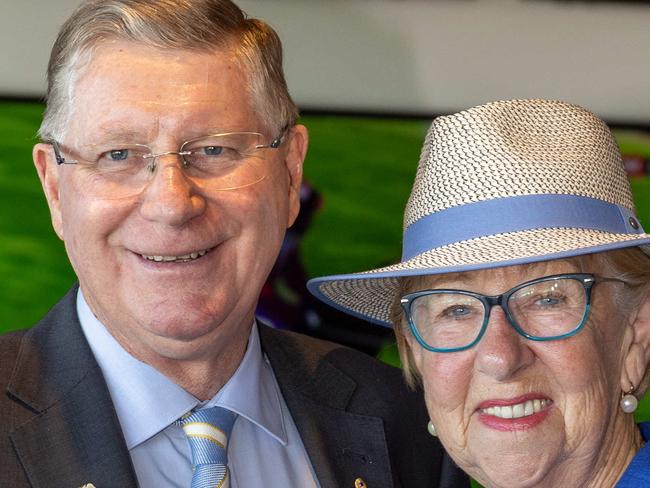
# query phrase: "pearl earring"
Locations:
[[432, 429], [629, 401]]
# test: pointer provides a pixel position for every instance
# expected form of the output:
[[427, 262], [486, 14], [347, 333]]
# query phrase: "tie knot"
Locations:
[[207, 433], [218, 417]]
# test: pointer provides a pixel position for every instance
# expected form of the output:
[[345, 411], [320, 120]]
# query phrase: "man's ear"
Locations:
[[298, 140], [48, 173], [638, 354]]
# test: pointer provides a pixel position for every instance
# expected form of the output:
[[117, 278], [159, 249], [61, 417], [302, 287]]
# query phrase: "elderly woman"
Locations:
[[521, 302]]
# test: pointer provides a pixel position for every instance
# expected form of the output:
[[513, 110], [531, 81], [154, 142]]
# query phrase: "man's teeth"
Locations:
[[519, 410], [171, 259]]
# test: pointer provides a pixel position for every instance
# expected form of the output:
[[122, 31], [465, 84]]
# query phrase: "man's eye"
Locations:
[[212, 150], [117, 155]]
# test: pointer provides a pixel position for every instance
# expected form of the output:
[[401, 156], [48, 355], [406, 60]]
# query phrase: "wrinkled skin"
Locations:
[[584, 439], [189, 320]]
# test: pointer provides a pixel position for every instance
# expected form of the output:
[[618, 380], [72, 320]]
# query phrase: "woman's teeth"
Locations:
[[519, 410], [177, 259]]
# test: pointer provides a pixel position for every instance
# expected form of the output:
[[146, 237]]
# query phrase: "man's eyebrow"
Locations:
[[117, 133], [193, 134]]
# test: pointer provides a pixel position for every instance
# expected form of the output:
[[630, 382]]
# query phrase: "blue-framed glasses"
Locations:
[[545, 309]]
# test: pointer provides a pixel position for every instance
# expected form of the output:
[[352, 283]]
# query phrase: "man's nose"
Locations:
[[171, 197], [502, 352]]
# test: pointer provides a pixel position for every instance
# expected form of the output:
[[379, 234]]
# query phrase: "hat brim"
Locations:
[[369, 295]]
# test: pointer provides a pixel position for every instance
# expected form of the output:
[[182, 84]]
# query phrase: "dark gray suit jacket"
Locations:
[[58, 427]]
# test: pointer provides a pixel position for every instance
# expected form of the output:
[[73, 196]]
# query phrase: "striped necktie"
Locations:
[[207, 432]]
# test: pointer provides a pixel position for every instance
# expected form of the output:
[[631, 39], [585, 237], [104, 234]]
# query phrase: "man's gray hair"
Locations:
[[195, 25]]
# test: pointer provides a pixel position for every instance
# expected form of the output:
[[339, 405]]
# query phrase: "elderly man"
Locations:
[[171, 162]]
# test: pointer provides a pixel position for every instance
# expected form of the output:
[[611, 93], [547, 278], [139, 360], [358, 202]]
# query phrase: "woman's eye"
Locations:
[[457, 311], [549, 301]]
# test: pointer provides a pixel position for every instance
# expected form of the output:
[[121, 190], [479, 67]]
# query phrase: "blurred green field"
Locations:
[[362, 166]]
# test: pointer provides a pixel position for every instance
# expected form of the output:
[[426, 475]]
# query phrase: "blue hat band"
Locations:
[[514, 214]]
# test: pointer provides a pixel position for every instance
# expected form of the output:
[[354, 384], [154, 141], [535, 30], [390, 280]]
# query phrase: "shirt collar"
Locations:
[[147, 402]]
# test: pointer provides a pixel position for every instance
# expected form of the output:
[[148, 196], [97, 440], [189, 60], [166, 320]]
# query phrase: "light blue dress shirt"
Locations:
[[264, 449]]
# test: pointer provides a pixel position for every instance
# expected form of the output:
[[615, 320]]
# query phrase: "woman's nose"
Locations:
[[502, 352], [171, 197]]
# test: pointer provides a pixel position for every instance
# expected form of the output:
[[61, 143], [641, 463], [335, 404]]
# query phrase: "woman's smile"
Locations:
[[521, 413]]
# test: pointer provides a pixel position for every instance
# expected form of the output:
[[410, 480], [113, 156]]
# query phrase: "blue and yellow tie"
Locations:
[[207, 432]]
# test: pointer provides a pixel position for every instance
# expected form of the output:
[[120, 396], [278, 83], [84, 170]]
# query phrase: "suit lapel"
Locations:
[[73, 436], [341, 445]]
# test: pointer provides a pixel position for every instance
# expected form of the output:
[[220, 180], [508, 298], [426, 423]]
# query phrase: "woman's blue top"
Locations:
[[637, 473]]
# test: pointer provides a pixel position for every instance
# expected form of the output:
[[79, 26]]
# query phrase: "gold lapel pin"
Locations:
[[359, 483]]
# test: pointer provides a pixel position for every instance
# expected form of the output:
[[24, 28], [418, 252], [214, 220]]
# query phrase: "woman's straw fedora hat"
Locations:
[[505, 183]]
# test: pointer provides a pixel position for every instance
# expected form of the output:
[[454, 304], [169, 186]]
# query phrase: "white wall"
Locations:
[[421, 56]]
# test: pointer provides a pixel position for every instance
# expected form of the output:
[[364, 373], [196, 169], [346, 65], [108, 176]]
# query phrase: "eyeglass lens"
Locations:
[[223, 161], [543, 310]]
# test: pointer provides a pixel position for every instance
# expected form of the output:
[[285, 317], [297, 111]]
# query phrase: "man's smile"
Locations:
[[191, 256]]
